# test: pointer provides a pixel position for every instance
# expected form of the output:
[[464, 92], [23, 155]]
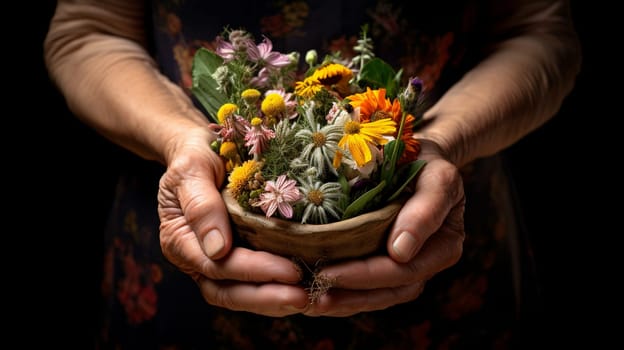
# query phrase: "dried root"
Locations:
[[316, 284], [318, 287]]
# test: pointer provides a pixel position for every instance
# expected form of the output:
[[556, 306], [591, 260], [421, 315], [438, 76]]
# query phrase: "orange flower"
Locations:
[[374, 105]]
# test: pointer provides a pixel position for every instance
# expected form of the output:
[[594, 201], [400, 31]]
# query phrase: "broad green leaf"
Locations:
[[207, 94], [410, 171], [204, 86], [376, 74], [205, 62], [363, 201]]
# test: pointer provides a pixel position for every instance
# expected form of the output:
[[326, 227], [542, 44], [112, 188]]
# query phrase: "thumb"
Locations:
[[193, 215], [207, 216], [439, 189]]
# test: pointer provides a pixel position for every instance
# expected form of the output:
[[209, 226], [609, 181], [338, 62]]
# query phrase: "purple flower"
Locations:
[[416, 84], [411, 98]]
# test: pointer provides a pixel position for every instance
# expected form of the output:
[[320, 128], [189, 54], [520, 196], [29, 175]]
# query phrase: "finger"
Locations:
[[441, 251], [179, 243], [274, 300], [184, 251], [438, 189], [342, 303], [254, 266]]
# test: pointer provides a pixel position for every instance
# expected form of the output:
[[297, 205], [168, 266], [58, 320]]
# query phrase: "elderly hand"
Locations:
[[195, 236], [426, 238]]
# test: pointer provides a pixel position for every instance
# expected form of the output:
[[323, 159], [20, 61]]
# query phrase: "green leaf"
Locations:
[[392, 152], [376, 74], [344, 184], [408, 173], [207, 94], [363, 201], [205, 62], [204, 86]]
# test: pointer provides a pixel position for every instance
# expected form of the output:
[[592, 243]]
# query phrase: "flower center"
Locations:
[[352, 127], [228, 150], [330, 80], [225, 111], [316, 197], [273, 104], [255, 121], [250, 96], [319, 139], [378, 115]]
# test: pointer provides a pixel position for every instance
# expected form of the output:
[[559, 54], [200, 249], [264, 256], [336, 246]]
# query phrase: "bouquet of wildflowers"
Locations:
[[314, 145]]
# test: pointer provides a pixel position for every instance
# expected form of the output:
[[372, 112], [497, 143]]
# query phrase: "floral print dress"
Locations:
[[480, 303]]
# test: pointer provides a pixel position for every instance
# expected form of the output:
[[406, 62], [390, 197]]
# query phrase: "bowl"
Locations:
[[355, 237]]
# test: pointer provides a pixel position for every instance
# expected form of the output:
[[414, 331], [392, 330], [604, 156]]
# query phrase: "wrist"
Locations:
[[436, 146], [185, 135], [450, 136], [190, 149]]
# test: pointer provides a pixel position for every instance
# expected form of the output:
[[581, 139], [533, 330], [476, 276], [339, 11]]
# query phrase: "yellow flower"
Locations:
[[229, 151], [241, 175], [334, 75], [226, 110], [358, 136], [250, 96], [273, 105], [308, 87], [255, 121]]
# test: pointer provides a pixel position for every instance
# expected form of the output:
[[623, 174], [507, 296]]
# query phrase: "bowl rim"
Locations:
[[382, 214]]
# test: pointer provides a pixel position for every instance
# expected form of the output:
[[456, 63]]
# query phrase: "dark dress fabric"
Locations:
[[483, 302]]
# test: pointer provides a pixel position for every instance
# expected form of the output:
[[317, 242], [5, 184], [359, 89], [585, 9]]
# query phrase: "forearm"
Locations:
[[94, 52], [514, 90]]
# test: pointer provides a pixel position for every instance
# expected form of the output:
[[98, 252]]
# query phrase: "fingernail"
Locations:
[[404, 246], [213, 243]]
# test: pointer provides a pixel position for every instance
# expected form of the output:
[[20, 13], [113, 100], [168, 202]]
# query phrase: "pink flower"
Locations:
[[224, 49], [262, 79], [234, 128], [239, 43], [279, 195], [264, 54], [257, 137]]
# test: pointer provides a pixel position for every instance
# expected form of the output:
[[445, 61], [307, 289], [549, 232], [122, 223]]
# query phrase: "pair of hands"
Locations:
[[195, 235]]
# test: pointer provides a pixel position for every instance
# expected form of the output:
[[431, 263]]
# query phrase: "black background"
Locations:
[[59, 176]]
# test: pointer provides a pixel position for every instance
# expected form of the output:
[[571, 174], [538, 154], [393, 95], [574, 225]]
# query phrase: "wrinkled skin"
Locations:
[[237, 278], [95, 54]]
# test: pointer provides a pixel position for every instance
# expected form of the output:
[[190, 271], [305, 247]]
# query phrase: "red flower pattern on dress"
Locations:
[[136, 291]]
